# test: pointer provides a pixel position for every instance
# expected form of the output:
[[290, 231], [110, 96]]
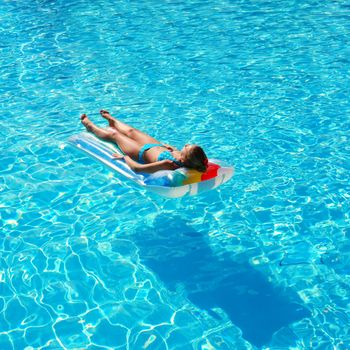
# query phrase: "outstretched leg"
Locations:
[[99, 132], [135, 134], [127, 145], [113, 123]]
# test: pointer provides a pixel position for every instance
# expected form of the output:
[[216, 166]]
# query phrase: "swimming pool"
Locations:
[[89, 261]]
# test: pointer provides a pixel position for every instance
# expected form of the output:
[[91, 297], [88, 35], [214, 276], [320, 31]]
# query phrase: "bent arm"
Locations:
[[150, 167]]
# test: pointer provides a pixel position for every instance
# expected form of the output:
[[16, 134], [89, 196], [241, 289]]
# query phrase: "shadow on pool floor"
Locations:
[[179, 255]]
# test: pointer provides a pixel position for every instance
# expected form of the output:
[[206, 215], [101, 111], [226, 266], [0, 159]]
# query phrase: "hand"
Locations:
[[118, 156]]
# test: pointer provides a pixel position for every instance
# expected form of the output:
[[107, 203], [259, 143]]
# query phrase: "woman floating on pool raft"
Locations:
[[143, 153], [160, 168]]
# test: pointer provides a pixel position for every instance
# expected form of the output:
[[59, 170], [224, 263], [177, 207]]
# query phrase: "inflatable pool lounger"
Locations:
[[168, 183]]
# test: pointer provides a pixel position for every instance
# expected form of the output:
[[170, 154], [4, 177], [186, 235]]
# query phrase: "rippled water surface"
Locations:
[[89, 261]]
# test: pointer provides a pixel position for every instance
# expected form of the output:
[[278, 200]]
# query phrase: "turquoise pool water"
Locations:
[[89, 261]]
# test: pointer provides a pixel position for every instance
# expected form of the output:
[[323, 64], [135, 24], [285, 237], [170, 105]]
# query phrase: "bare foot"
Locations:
[[86, 121], [111, 121]]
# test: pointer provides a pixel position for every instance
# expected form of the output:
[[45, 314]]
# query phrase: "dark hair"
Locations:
[[196, 159]]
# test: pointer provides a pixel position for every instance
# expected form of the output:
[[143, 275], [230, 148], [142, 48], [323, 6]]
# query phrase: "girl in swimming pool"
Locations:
[[143, 153]]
